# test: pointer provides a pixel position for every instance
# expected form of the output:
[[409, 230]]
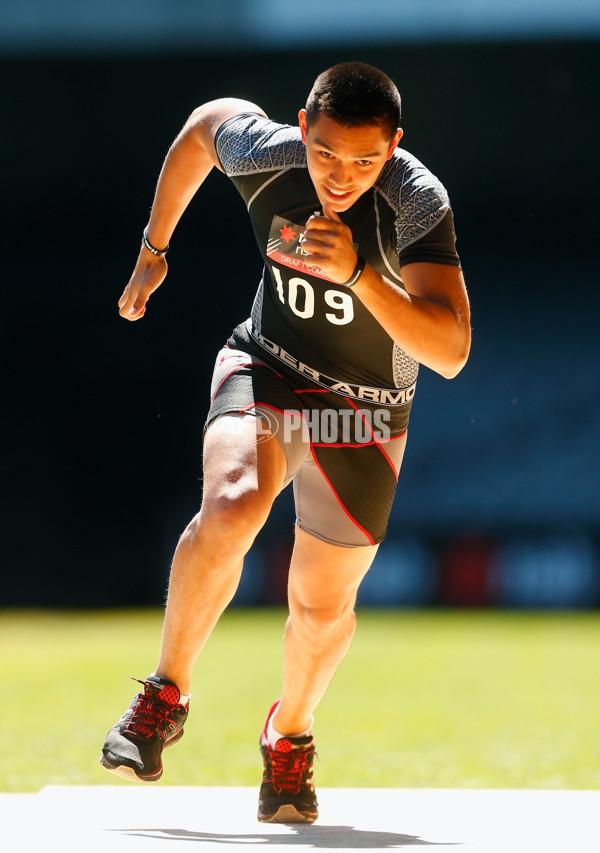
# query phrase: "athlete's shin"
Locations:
[[323, 583], [311, 659], [203, 581]]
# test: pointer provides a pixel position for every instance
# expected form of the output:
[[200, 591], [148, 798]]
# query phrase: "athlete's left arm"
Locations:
[[430, 320]]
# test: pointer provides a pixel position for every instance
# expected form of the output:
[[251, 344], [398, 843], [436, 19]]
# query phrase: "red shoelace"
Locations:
[[151, 710], [289, 766]]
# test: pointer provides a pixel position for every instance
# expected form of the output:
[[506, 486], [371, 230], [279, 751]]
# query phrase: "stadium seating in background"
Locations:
[[404, 574], [544, 572], [548, 572], [463, 572]]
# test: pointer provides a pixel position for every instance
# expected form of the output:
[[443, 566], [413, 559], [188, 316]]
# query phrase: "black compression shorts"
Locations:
[[343, 455]]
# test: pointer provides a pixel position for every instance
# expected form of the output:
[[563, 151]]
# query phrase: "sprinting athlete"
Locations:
[[361, 284]]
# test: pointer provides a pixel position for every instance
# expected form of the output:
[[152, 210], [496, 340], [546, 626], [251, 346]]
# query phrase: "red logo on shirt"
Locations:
[[285, 248], [287, 233]]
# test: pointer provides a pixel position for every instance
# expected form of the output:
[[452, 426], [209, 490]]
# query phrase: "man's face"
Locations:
[[344, 162]]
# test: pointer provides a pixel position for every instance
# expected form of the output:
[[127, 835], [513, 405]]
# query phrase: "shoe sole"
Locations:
[[126, 772], [288, 814]]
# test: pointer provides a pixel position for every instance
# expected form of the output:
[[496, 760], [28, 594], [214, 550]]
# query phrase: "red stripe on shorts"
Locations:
[[339, 500]]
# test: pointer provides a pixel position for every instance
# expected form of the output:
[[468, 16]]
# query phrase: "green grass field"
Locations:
[[424, 699]]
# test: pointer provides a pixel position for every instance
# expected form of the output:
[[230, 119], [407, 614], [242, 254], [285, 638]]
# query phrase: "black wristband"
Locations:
[[160, 253], [358, 271]]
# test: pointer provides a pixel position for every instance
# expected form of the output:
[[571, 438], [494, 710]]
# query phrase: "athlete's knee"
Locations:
[[320, 622], [234, 513]]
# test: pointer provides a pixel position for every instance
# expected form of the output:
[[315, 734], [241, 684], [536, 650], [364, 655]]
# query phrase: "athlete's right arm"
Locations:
[[190, 159]]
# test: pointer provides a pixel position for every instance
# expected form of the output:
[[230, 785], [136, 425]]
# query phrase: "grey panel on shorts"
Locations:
[[318, 511], [296, 448]]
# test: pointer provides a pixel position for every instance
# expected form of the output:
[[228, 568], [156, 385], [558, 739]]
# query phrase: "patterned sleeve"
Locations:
[[249, 143], [416, 196], [436, 246]]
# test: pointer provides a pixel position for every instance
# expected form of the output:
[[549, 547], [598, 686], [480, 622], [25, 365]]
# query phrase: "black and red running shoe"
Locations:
[[287, 793], [155, 719]]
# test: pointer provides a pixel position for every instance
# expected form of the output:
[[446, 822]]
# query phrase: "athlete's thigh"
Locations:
[[244, 384], [344, 495], [237, 461]]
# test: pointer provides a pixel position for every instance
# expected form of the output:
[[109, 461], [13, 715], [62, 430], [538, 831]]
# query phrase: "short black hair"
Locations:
[[355, 94]]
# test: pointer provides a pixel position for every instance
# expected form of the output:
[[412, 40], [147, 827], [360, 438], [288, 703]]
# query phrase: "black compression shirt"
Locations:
[[317, 327]]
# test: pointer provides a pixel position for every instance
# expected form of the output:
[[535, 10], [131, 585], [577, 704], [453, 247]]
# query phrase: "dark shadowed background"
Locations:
[[499, 499]]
